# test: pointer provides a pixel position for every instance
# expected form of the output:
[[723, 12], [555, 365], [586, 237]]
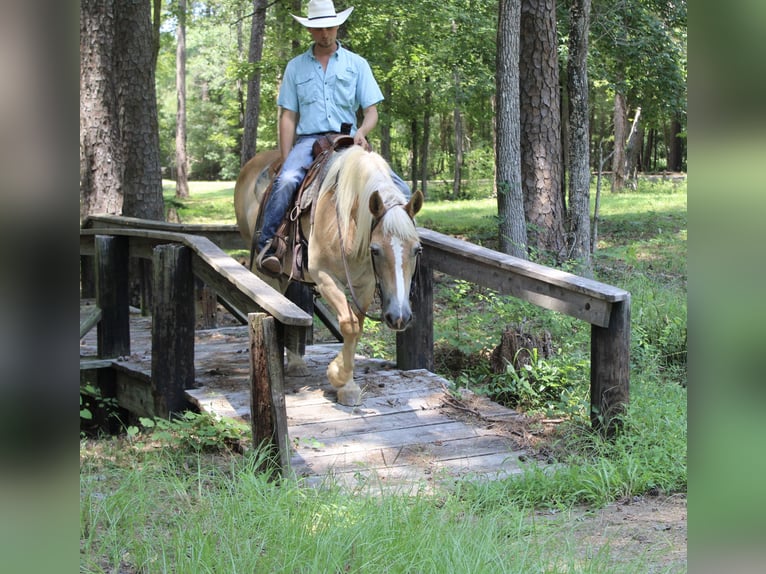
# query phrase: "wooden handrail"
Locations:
[[549, 288], [210, 263], [225, 236]]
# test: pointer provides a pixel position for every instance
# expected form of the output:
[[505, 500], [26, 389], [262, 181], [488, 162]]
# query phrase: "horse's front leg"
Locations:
[[340, 372]]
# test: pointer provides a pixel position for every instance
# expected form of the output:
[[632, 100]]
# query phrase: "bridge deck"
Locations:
[[409, 433]]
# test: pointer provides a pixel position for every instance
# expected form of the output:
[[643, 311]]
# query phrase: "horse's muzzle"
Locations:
[[398, 321]]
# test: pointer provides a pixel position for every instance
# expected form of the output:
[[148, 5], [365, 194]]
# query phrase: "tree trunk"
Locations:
[[675, 149], [458, 117], [540, 119], [182, 164], [385, 126], [101, 159], [253, 106], [633, 149], [510, 200], [414, 154], [648, 149], [579, 136], [620, 139], [426, 140], [134, 76]]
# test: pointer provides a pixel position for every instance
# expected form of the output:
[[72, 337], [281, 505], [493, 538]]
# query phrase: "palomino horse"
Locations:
[[363, 237]]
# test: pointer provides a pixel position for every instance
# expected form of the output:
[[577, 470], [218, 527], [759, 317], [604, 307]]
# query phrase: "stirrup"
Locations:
[[267, 262]]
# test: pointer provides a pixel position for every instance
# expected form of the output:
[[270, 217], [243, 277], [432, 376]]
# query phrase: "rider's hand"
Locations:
[[359, 139]]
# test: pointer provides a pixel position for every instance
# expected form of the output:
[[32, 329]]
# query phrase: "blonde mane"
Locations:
[[358, 174]]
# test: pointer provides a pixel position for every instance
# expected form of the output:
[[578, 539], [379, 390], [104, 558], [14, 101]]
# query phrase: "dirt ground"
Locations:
[[649, 527]]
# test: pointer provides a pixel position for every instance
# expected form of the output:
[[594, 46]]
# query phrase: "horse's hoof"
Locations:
[[350, 397], [297, 371]]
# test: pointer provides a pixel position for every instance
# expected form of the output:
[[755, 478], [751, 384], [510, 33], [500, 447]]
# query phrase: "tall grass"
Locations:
[[165, 511]]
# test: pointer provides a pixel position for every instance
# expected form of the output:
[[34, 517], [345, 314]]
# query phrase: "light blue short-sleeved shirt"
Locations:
[[326, 99]]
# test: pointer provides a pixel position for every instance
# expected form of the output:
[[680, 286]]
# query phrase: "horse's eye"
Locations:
[[375, 250], [417, 249]]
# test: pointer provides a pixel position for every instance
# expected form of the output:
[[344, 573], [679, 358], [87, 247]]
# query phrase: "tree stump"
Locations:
[[516, 346]]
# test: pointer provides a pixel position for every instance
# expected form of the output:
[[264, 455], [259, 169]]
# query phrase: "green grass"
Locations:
[[153, 505], [162, 510]]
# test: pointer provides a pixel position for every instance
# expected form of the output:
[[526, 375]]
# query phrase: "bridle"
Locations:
[[354, 298]]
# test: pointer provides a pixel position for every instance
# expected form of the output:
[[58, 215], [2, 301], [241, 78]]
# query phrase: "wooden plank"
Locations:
[[225, 236], [546, 287], [90, 320], [485, 451], [134, 393], [93, 364]]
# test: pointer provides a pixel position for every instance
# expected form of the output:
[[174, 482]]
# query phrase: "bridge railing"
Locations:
[[177, 259], [604, 307]]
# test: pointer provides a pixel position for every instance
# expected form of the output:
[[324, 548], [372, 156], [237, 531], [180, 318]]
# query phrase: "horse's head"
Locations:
[[395, 249]]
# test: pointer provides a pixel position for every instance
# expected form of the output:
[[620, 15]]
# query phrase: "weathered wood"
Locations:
[[90, 320], [414, 347], [135, 393], [303, 296], [224, 236], [328, 319], [545, 287], [610, 369], [268, 415], [172, 328], [206, 305], [112, 296], [228, 278]]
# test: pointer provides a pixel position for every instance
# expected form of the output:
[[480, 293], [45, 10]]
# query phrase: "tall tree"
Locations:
[[134, 75], [119, 139], [579, 134], [182, 163], [510, 198], [101, 158], [540, 119], [253, 105]]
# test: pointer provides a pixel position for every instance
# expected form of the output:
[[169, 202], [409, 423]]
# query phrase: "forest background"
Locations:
[[435, 62]]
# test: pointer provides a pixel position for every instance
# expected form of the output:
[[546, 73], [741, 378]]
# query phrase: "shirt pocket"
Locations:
[[345, 88], [307, 91]]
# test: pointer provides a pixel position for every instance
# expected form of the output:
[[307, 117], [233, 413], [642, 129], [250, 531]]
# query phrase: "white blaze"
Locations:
[[398, 250]]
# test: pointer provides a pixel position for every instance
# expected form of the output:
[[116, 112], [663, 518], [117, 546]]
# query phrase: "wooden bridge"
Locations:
[[408, 430]]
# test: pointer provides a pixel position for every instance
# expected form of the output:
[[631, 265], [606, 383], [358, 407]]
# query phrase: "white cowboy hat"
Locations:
[[322, 15]]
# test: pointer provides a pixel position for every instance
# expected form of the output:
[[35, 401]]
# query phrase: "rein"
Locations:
[[348, 273]]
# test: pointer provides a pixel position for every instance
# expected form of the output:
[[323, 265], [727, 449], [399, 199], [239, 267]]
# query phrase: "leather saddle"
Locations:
[[289, 235]]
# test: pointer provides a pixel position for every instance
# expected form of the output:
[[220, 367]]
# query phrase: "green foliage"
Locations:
[[93, 400], [551, 387], [191, 431]]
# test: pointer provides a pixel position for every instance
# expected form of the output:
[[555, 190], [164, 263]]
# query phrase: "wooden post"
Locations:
[[268, 416], [113, 329], [415, 346], [172, 328], [303, 296], [207, 304], [610, 369], [112, 296]]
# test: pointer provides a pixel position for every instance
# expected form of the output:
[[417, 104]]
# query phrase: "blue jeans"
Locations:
[[286, 183]]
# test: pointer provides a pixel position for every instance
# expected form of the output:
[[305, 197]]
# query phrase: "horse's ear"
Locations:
[[416, 202], [377, 207]]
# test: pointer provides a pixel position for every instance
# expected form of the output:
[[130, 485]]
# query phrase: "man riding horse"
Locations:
[[321, 91]]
